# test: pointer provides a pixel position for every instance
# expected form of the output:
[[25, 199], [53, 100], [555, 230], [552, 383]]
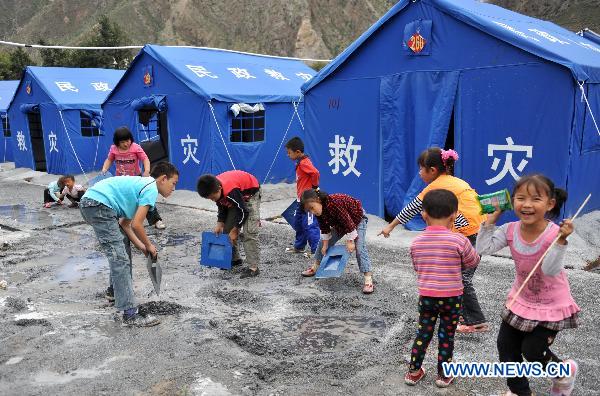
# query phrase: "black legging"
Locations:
[[514, 345]]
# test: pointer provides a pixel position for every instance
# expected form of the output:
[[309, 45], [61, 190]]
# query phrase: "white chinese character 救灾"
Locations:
[[508, 165], [275, 74], [344, 153], [304, 76], [52, 139], [201, 71], [21, 141], [240, 73], [101, 86], [190, 146], [66, 86]]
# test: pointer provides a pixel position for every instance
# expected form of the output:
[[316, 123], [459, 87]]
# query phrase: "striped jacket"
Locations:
[[438, 255]]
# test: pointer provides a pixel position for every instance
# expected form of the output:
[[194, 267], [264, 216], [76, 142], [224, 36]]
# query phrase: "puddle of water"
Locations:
[[174, 240], [46, 377], [306, 334], [24, 215], [77, 268]]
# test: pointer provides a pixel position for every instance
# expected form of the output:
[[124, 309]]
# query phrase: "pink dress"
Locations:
[[127, 163], [544, 298]]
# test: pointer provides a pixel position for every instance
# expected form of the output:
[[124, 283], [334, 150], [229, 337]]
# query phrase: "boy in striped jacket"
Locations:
[[438, 255]]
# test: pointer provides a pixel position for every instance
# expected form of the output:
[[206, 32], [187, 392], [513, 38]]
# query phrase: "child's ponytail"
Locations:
[[560, 196], [442, 160]]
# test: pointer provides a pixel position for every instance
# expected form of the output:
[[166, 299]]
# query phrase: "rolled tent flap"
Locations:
[[158, 102], [95, 116], [246, 108], [29, 108]]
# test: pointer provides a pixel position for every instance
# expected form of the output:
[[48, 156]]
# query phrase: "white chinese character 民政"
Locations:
[[52, 140], [21, 141], [275, 74], [304, 76], [190, 146], [101, 86], [201, 71], [66, 86], [344, 153], [240, 73], [508, 167]]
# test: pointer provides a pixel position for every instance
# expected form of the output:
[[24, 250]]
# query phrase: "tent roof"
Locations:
[[86, 84], [7, 91], [590, 35], [210, 73], [541, 38]]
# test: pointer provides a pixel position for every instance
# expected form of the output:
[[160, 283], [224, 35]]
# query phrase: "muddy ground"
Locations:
[[278, 334]]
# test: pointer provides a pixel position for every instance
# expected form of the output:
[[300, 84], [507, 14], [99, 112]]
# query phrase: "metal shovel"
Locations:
[[155, 272]]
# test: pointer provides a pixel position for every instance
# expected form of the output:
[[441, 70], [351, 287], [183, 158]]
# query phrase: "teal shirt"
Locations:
[[53, 189], [124, 194]]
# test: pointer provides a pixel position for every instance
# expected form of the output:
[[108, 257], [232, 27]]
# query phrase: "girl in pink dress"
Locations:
[[126, 154], [545, 305]]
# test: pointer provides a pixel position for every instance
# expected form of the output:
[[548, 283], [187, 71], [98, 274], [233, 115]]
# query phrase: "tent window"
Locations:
[[248, 127], [6, 127], [88, 126], [149, 127]]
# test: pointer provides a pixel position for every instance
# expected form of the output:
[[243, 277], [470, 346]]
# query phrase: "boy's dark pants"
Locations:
[[105, 223], [514, 345], [471, 310], [250, 236], [47, 196], [306, 232]]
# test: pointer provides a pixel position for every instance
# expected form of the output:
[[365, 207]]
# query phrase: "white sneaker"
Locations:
[[160, 225]]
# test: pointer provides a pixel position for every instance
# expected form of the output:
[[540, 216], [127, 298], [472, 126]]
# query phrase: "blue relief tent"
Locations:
[[7, 91], [55, 117], [209, 111], [503, 89], [590, 35]]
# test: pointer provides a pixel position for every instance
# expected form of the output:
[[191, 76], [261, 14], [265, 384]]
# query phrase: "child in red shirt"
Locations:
[[307, 177]]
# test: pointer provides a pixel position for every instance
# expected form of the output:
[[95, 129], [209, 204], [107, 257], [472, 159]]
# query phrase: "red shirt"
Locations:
[[342, 213], [307, 176], [238, 187]]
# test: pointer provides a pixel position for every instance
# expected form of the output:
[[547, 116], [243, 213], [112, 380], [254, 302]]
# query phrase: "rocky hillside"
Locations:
[[306, 28]]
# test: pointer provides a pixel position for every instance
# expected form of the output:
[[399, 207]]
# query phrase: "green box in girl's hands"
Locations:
[[488, 202]]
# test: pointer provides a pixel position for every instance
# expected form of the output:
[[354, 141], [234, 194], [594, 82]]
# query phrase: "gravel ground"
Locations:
[[278, 334]]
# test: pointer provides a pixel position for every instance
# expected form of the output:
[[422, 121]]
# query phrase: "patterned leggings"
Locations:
[[447, 308]]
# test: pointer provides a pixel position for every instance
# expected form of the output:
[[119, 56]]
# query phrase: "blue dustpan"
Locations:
[[333, 264], [290, 213], [216, 250], [98, 178]]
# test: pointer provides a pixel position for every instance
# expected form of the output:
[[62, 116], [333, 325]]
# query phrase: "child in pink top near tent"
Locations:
[[126, 154], [545, 306]]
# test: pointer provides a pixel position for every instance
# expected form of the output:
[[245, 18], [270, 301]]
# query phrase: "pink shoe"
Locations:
[[443, 382], [412, 378], [48, 205]]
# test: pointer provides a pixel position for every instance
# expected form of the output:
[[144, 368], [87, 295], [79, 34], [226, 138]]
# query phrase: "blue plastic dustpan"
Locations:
[[216, 250], [333, 264], [290, 213], [101, 176]]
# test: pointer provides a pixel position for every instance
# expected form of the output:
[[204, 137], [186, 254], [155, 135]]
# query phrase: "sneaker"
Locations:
[[248, 273], [564, 386], [443, 382], [509, 393], [412, 378], [160, 225], [235, 263], [110, 294], [293, 250], [478, 328], [139, 320]]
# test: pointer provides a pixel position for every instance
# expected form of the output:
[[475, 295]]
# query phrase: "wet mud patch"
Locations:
[[33, 322], [179, 239], [161, 308], [237, 296], [317, 303], [303, 334], [15, 304]]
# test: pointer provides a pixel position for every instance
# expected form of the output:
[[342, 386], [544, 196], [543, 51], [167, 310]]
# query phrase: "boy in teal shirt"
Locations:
[[122, 203]]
